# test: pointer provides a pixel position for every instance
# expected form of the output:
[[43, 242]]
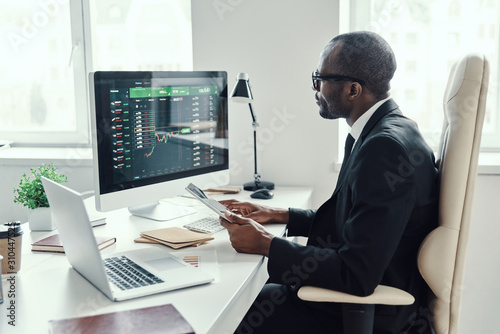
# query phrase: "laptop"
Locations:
[[148, 270]]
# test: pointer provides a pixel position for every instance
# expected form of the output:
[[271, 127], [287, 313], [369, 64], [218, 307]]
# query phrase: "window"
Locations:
[[427, 38], [49, 46], [152, 35], [37, 78]]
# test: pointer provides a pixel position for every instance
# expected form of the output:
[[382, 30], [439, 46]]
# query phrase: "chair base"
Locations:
[[358, 318]]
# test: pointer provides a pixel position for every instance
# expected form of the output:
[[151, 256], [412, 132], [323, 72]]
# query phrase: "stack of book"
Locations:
[[174, 237], [53, 244]]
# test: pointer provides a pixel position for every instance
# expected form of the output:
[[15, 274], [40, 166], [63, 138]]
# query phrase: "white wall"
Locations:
[[481, 290], [278, 44]]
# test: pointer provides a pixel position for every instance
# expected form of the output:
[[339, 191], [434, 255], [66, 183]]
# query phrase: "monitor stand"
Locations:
[[160, 211]]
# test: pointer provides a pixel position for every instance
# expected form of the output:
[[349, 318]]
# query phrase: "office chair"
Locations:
[[441, 257]]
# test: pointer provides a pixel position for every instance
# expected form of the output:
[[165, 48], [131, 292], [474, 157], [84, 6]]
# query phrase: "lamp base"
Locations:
[[252, 186]]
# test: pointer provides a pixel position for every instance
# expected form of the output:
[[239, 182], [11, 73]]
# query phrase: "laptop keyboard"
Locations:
[[126, 274], [205, 225]]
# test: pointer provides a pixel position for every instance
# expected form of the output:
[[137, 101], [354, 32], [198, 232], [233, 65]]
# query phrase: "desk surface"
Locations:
[[47, 288]]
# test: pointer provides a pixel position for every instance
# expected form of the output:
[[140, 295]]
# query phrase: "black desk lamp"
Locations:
[[243, 94]]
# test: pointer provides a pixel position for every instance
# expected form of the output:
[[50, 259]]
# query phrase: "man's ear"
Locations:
[[355, 90]]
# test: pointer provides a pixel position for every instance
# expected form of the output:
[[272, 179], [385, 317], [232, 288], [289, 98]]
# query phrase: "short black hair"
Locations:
[[366, 56]]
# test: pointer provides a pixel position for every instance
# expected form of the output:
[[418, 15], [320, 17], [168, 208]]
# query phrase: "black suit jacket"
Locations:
[[369, 231]]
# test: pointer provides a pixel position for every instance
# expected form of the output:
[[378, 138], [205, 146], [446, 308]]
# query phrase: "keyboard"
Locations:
[[205, 225], [126, 274]]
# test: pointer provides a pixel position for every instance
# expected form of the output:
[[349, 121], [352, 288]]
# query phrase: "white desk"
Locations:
[[48, 288]]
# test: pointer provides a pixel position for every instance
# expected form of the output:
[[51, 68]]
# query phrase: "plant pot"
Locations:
[[40, 219]]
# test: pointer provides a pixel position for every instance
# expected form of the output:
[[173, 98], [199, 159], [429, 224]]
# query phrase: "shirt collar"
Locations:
[[360, 123]]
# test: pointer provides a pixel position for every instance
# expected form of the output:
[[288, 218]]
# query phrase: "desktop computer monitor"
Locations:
[[153, 134]]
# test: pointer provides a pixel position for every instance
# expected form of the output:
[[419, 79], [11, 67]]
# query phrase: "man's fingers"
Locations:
[[235, 219], [234, 205], [231, 216], [228, 202], [225, 223]]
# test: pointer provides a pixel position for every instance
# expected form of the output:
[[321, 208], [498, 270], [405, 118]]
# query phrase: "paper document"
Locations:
[[213, 204], [205, 260]]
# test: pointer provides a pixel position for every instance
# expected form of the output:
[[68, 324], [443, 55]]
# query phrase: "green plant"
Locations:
[[30, 193]]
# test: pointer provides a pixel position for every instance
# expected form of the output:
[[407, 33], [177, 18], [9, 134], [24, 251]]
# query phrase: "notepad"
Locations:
[[175, 237], [53, 244]]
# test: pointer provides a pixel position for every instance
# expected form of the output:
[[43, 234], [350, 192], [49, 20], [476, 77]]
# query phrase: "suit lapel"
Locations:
[[382, 111]]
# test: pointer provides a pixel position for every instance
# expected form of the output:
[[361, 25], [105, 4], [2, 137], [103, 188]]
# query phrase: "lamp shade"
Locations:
[[242, 92]]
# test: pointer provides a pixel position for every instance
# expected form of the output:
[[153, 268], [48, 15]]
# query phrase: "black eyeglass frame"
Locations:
[[317, 77]]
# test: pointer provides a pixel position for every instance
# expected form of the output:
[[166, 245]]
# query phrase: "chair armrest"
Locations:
[[383, 294]]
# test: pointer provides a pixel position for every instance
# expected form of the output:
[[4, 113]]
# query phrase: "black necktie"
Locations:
[[349, 141]]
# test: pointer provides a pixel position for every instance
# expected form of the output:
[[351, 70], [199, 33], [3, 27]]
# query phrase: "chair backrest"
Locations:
[[441, 257]]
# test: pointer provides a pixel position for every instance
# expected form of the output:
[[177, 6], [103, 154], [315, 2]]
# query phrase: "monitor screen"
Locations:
[[154, 133]]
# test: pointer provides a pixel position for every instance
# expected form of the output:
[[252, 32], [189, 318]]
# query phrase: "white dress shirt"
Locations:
[[360, 123]]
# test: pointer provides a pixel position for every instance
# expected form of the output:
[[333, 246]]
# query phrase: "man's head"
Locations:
[[365, 63]]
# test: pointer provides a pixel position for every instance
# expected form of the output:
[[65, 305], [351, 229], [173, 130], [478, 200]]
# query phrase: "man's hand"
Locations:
[[260, 213], [246, 235]]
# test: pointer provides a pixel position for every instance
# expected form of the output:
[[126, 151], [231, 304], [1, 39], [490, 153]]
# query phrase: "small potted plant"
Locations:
[[31, 194]]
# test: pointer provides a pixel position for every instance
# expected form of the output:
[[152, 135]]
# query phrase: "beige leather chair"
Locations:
[[441, 257]]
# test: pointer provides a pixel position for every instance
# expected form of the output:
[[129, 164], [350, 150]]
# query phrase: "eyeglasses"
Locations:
[[316, 77]]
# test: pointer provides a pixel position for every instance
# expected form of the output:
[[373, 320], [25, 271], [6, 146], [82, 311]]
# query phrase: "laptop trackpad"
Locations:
[[165, 263]]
